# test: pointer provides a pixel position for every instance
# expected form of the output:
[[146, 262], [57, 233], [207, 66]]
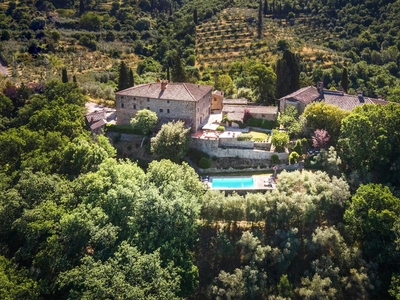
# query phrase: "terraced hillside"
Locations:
[[233, 36]]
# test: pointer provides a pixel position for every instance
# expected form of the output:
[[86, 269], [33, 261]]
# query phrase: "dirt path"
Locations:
[[3, 69]]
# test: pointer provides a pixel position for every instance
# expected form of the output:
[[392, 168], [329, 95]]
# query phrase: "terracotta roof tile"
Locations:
[[95, 116], [240, 101], [345, 101], [310, 94], [174, 91], [306, 95], [97, 124]]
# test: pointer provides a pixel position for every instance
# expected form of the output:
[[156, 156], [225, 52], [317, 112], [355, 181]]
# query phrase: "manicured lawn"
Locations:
[[259, 136]]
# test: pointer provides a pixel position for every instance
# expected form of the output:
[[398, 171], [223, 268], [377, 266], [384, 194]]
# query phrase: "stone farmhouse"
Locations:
[[304, 96], [170, 101]]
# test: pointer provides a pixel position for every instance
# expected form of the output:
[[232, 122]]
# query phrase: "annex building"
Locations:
[[188, 102], [304, 96]]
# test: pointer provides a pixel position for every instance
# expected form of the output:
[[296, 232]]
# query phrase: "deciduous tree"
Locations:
[[325, 116], [262, 79], [172, 141], [145, 121]]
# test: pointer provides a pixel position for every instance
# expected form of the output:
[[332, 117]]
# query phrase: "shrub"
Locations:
[[5, 35], [90, 21], [196, 155], [280, 140], [274, 159], [142, 24], [204, 163], [293, 157], [220, 128], [261, 123], [244, 137], [298, 147], [110, 36], [38, 23], [122, 129]]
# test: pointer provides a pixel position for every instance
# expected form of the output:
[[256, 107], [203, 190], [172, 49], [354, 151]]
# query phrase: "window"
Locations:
[[148, 99], [198, 109], [161, 110], [167, 110], [134, 98], [122, 105], [134, 106], [262, 116], [148, 108], [167, 101]]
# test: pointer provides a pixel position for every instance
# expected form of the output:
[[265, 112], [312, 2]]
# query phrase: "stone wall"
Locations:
[[234, 143], [262, 146], [211, 147]]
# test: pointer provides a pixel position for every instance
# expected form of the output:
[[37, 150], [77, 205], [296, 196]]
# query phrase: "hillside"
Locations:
[[91, 41], [79, 222]]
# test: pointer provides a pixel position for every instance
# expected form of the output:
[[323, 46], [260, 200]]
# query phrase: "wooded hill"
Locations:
[[79, 224], [89, 38]]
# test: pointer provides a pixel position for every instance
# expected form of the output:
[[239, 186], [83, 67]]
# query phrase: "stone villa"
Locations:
[[304, 96], [170, 101]]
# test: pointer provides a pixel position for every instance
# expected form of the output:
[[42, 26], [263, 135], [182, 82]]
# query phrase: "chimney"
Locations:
[[320, 86], [158, 80], [379, 97], [320, 89], [164, 85], [360, 96]]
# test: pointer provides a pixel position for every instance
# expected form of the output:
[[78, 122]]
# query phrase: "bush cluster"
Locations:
[[244, 137], [252, 122]]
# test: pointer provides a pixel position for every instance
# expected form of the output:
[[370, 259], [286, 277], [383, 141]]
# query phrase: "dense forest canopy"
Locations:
[[79, 223]]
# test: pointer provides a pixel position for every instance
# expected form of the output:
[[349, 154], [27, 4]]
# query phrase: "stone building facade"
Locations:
[[170, 101], [217, 98]]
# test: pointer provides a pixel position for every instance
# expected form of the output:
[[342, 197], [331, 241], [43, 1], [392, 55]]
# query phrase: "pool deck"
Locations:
[[261, 183]]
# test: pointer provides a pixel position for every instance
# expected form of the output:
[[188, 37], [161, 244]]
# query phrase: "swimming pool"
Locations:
[[232, 182]]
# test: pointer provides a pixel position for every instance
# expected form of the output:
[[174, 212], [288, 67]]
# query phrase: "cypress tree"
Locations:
[[260, 18], [64, 75], [168, 76], [178, 71], [195, 16], [287, 74], [74, 79], [344, 82], [81, 8], [131, 78], [123, 81], [265, 7]]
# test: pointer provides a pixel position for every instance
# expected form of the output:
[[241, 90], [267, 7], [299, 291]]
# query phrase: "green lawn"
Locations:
[[259, 136]]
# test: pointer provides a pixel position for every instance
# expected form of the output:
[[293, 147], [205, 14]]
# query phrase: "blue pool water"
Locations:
[[232, 183]]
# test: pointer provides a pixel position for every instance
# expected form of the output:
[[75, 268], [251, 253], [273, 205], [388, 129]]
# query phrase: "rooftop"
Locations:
[[177, 91], [345, 101], [306, 95], [241, 101]]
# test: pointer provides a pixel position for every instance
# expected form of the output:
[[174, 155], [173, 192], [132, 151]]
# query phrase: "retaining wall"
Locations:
[[211, 147]]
